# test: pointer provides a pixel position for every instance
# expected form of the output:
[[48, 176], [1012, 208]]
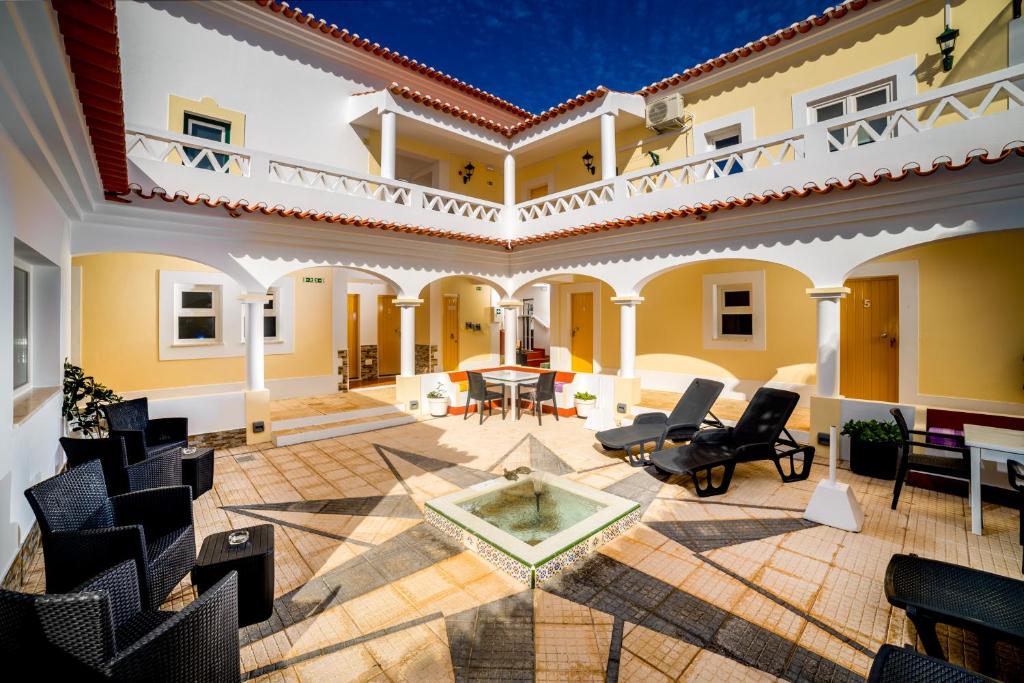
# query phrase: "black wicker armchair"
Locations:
[[163, 469], [143, 436], [85, 532], [102, 632]]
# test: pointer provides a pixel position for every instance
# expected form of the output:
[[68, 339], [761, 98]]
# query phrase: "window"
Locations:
[[735, 314], [723, 139], [270, 316], [197, 314], [734, 311], [207, 129], [21, 326], [859, 100]]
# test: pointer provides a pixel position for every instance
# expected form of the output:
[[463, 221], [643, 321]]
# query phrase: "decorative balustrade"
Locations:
[[458, 205], [187, 151], [577, 198], [353, 185]]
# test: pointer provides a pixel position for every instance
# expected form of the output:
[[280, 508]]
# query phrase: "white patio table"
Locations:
[[512, 379], [989, 443]]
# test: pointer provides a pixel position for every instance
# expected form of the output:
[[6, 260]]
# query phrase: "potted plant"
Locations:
[[83, 398], [584, 403], [437, 400], [874, 447]]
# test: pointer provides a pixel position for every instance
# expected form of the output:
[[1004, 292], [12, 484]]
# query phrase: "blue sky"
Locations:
[[537, 54]]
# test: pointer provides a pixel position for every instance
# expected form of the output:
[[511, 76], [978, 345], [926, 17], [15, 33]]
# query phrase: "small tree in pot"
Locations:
[[874, 447], [83, 398], [437, 400]]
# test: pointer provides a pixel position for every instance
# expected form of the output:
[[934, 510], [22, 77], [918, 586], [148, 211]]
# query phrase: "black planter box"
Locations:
[[878, 460]]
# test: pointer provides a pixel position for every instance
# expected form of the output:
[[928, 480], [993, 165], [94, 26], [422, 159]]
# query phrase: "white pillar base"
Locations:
[[833, 504]]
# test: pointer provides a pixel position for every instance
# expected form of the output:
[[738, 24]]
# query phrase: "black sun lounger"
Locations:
[[681, 424], [756, 436], [902, 665], [933, 592]]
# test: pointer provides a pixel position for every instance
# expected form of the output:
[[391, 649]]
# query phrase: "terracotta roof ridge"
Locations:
[[285, 11], [757, 46]]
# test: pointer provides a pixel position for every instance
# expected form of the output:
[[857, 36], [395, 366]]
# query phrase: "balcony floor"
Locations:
[[366, 590]]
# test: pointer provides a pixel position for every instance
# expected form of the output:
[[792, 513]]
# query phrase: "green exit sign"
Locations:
[[314, 280]]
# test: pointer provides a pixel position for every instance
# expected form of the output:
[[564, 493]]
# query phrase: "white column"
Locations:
[[509, 217], [607, 146], [254, 341], [388, 125], [510, 310], [627, 334], [407, 342], [828, 338]]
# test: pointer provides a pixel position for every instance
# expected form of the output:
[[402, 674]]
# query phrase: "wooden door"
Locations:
[[450, 333], [354, 357], [869, 340], [538, 192], [581, 323], [389, 335]]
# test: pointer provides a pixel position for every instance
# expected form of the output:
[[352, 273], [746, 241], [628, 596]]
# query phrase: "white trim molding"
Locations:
[[742, 122], [712, 283]]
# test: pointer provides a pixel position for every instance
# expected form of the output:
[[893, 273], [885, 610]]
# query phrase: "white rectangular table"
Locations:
[[994, 444], [512, 379]]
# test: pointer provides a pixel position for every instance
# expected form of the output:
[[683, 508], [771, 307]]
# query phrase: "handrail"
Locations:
[[188, 151]]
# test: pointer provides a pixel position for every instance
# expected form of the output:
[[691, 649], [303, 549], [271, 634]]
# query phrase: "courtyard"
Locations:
[[738, 587]]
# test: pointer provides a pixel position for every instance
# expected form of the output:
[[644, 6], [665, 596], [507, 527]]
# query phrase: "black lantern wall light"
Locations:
[[588, 162], [947, 43], [467, 172]]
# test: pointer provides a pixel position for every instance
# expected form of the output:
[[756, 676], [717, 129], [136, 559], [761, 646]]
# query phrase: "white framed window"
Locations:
[[861, 99], [22, 309], [734, 311], [723, 139], [197, 314], [208, 129]]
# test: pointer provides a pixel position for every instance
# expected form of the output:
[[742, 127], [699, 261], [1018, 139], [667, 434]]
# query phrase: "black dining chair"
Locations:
[[543, 390], [1015, 470], [480, 392], [957, 467]]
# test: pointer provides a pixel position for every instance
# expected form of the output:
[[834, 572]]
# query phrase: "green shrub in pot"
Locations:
[[874, 447]]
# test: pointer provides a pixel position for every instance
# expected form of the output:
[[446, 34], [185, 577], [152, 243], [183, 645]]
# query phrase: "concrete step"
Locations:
[[327, 418], [338, 424]]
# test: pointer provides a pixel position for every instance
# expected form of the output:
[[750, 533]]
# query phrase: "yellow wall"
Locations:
[[483, 185], [670, 326], [120, 327], [981, 48], [971, 316], [474, 307]]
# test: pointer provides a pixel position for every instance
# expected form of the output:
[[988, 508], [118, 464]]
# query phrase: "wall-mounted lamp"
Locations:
[[655, 159], [467, 172], [947, 43], [588, 162]]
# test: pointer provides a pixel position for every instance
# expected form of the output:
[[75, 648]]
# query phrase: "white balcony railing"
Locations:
[[908, 132], [179, 150]]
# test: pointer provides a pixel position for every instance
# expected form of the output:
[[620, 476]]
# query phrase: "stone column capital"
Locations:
[[828, 292], [510, 303], [631, 300], [255, 298], [407, 302]]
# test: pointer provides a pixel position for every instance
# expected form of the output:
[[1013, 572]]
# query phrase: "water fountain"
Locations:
[[532, 524]]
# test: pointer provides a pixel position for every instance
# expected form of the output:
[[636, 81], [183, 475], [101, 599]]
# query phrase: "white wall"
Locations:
[[285, 93], [368, 293], [541, 295], [29, 452]]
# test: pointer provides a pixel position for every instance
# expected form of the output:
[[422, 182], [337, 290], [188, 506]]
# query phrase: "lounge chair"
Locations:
[[933, 592], [756, 436], [901, 665], [681, 424]]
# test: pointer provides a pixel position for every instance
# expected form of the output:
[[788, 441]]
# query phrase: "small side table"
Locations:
[[254, 562], [197, 471]]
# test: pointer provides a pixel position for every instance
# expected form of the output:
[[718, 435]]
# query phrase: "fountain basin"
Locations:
[[499, 520]]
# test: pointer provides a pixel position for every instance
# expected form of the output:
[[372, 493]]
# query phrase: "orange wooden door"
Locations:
[[869, 343], [581, 344], [450, 333], [354, 362], [389, 334], [538, 192]]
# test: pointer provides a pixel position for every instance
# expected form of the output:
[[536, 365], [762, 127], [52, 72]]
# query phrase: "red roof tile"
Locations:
[[801, 27], [90, 41], [295, 14]]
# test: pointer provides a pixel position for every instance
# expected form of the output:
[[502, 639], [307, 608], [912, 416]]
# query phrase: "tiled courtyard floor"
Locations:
[[734, 588]]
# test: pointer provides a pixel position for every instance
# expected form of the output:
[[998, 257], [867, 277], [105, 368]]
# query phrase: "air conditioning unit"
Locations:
[[666, 113]]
